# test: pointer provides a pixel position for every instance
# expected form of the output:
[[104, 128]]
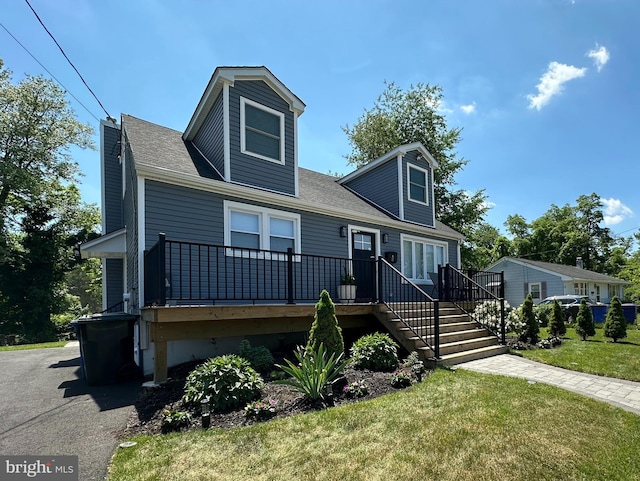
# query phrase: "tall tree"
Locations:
[[414, 115], [41, 215], [564, 233]]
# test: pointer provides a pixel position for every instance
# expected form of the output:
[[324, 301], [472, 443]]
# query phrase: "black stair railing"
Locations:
[[415, 309], [467, 290]]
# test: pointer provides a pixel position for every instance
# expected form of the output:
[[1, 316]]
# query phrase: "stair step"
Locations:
[[467, 345], [472, 355], [455, 336], [445, 328]]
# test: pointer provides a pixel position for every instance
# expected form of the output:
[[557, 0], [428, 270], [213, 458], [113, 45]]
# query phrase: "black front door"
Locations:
[[363, 252]]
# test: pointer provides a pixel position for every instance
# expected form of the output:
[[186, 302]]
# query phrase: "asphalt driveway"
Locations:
[[47, 409]]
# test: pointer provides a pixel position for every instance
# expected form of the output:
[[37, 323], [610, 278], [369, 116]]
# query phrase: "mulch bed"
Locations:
[[147, 416]]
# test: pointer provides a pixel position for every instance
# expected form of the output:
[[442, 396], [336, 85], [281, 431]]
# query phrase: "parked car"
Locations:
[[569, 304]]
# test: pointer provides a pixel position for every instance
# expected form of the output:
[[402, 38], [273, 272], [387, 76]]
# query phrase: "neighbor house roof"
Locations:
[[566, 272], [160, 153]]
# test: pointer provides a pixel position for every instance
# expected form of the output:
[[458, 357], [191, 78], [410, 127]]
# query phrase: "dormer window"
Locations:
[[417, 180], [262, 131]]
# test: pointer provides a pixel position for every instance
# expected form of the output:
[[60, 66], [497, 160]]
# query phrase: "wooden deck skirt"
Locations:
[[174, 323]]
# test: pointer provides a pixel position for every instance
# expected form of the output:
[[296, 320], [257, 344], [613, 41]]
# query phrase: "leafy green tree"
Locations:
[[413, 115], [530, 331], [615, 325], [556, 325], [325, 329], [585, 326], [564, 233], [41, 215]]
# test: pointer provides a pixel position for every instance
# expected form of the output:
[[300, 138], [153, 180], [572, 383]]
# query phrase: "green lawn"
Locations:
[[454, 426], [20, 347], [597, 355]]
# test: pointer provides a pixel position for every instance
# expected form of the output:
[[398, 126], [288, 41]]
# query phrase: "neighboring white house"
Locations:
[[544, 279]]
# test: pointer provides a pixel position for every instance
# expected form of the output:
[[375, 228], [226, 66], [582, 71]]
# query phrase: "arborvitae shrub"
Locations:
[[556, 326], [615, 325], [530, 331], [585, 326], [325, 329]]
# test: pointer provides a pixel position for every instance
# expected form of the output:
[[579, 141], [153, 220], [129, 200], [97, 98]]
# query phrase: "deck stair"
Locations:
[[461, 338]]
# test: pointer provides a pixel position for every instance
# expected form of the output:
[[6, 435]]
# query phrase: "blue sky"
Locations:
[[546, 91]]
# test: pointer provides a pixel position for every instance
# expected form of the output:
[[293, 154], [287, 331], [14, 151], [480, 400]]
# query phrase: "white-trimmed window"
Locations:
[[255, 227], [580, 288], [261, 131], [417, 182], [421, 256], [535, 289]]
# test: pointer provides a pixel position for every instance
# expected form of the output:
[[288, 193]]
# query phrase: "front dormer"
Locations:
[[246, 127], [400, 182]]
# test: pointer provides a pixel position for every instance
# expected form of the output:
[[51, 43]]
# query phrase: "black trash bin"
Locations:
[[106, 348]]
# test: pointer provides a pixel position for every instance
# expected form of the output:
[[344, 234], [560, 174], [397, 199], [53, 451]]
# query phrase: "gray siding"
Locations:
[[131, 222], [115, 278], [413, 211], [517, 276], [210, 137], [185, 214], [112, 177], [246, 169], [380, 186]]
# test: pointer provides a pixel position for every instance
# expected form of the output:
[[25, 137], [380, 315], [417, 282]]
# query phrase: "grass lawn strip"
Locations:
[[22, 347], [454, 426], [598, 355]]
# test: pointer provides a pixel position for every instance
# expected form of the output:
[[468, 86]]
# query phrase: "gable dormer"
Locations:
[[246, 126], [400, 182]]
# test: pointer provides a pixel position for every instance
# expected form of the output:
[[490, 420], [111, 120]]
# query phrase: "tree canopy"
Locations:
[[414, 115], [41, 214]]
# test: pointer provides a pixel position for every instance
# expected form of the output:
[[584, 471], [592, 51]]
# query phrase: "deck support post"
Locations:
[[160, 362]]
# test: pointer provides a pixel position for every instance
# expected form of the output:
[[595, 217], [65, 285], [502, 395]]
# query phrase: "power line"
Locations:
[[47, 70], [70, 62]]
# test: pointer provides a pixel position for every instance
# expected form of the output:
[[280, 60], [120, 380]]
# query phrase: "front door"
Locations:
[[363, 251]]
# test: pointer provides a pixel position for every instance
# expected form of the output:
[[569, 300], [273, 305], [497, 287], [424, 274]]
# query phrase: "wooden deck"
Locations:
[[173, 323]]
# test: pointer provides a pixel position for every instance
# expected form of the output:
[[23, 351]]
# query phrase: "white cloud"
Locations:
[[469, 108], [615, 211], [552, 83], [599, 55]]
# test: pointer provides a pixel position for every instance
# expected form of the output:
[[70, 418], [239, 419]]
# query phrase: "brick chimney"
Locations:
[[579, 263]]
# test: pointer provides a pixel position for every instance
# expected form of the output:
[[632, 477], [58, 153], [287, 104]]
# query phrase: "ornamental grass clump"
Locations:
[[325, 329], [228, 381], [615, 325], [315, 372], [556, 324], [585, 326], [377, 352]]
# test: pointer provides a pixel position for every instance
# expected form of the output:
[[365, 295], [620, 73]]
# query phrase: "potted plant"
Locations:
[[347, 290]]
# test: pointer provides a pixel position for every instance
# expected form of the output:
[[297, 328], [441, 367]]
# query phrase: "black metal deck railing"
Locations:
[[180, 272], [415, 309], [467, 290]]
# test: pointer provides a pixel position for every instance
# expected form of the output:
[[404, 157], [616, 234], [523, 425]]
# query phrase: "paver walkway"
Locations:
[[621, 393]]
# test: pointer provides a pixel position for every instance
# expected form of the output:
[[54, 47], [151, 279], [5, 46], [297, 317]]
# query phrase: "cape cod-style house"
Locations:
[[216, 233]]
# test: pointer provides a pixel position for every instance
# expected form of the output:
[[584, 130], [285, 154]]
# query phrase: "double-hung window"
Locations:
[[580, 288], [253, 227], [261, 131], [421, 256], [417, 184]]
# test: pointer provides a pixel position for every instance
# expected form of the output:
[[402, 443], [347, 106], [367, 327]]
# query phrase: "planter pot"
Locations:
[[347, 293]]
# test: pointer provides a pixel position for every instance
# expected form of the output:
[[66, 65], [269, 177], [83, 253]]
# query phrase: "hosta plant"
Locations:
[[228, 381], [377, 352]]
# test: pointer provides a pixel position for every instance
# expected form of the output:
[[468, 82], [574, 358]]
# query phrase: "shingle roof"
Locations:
[[569, 271], [163, 148]]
